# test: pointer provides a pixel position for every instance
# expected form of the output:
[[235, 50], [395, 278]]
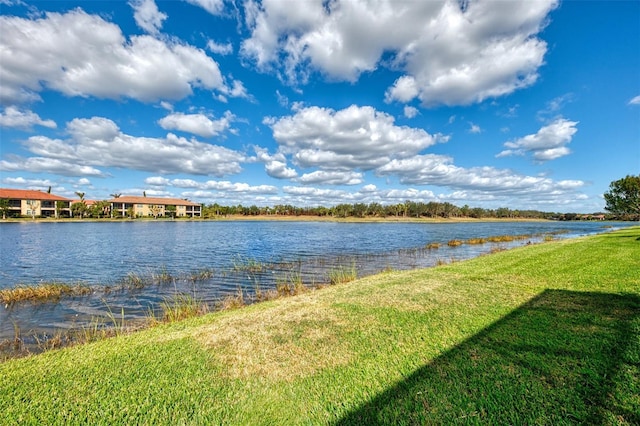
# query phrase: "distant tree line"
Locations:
[[408, 209], [622, 203]]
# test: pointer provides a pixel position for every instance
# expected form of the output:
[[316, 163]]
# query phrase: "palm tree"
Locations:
[[80, 209]]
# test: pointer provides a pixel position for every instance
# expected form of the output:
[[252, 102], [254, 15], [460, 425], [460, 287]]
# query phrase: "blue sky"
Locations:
[[526, 105]]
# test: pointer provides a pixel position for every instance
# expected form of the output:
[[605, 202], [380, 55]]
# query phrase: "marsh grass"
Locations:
[[246, 264], [232, 301], [290, 284], [476, 241], [201, 274], [43, 291], [181, 306], [343, 274], [455, 243], [162, 276], [432, 246]]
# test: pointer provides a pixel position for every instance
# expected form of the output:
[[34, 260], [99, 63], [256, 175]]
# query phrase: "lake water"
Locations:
[[168, 256]]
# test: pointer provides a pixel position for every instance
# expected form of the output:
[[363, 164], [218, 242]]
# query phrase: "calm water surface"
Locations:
[[103, 255]]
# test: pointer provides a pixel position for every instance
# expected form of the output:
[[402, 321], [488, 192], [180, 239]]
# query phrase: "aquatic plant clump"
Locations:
[[343, 274], [41, 291]]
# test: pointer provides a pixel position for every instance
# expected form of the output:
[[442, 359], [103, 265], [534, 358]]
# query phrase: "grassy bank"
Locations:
[[543, 334]]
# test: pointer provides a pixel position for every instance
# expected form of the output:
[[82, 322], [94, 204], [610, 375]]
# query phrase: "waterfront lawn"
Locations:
[[543, 334]]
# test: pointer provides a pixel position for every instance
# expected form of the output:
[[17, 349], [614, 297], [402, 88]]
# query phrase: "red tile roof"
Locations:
[[152, 200], [28, 194]]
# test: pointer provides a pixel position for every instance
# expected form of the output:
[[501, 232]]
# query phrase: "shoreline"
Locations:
[[301, 218]]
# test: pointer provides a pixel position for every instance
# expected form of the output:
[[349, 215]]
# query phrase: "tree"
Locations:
[[4, 207], [100, 208], [171, 210], [155, 210], [79, 209], [623, 197]]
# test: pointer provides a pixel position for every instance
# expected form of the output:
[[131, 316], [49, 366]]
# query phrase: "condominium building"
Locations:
[[26, 202], [151, 206]]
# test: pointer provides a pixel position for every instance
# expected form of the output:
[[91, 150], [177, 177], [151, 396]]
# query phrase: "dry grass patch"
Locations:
[[287, 341], [411, 293]]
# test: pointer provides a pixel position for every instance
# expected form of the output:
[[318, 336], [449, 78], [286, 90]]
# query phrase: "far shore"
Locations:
[[290, 218]]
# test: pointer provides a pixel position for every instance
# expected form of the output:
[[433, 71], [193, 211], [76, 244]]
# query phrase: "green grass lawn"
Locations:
[[543, 334]]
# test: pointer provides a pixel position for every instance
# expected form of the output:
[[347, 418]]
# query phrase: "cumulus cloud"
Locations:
[[449, 54], [275, 165], [439, 170], [214, 7], [79, 54], [197, 124], [211, 185], [147, 15], [49, 165], [12, 117], [308, 195], [410, 111], [352, 138], [331, 178], [220, 49], [547, 144], [98, 143], [29, 183]]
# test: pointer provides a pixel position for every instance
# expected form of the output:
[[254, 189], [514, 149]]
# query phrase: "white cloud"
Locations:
[[13, 117], [439, 170], [355, 137], [556, 104], [211, 185], [449, 55], [635, 100], [404, 89], [474, 128], [147, 15], [410, 111], [214, 7], [197, 124], [29, 183], [49, 165], [98, 142], [279, 170], [157, 181], [79, 54], [547, 144], [331, 178], [220, 49], [275, 165]]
